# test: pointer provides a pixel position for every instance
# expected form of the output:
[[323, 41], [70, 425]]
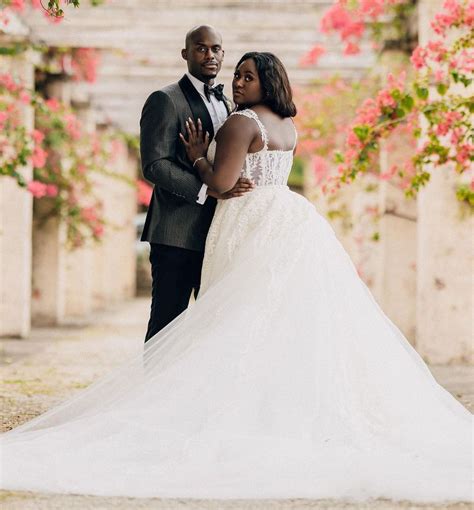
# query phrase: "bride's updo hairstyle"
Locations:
[[276, 89]]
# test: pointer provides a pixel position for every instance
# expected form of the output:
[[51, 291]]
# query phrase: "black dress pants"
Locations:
[[175, 272]]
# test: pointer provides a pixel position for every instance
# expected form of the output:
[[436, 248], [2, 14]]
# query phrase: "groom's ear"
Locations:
[[184, 54]]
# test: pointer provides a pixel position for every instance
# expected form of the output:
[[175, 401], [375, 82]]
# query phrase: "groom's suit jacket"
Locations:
[[174, 217]]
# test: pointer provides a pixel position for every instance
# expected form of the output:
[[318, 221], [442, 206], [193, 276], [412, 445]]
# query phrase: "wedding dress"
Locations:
[[284, 379]]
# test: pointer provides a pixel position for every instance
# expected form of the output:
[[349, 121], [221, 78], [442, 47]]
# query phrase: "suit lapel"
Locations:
[[197, 105]]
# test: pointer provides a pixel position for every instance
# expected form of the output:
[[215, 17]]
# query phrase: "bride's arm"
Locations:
[[233, 141]]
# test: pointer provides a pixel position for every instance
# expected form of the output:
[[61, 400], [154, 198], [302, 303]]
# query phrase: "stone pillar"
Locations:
[[49, 250], [79, 274], [114, 257], [398, 264], [49, 270], [444, 296], [125, 235], [445, 243], [15, 228]]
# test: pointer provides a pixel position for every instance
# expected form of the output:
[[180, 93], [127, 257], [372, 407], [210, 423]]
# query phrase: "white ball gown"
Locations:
[[285, 379]]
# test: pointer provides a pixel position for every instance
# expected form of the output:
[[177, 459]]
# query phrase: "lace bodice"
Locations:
[[266, 167]]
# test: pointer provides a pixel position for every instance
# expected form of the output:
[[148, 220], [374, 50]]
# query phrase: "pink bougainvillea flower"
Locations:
[[51, 190], [98, 231], [25, 98], [353, 31], [313, 55], [85, 62], [8, 82], [463, 154], [37, 136], [385, 176], [37, 189], [351, 49], [73, 126], [89, 214], [469, 14], [372, 8], [439, 76], [17, 5], [397, 82], [335, 18], [3, 118], [144, 193], [53, 104], [320, 168], [418, 57], [353, 140], [38, 158]]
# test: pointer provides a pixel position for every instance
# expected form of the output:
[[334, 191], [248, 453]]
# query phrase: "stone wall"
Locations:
[[15, 230], [445, 257]]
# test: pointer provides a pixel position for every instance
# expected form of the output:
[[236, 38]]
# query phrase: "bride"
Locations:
[[284, 380]]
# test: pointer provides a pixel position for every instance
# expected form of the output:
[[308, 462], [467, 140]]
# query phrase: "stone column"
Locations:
[[445, 248], [49, 274], [397, 267], [125, 209], [79, 262], [114, 257], [15, 227], [49, 250]]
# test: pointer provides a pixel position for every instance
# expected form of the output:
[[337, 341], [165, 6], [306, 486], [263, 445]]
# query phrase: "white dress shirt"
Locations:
[[218, 113]]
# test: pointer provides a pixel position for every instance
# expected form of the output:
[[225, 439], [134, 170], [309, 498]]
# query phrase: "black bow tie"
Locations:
[[217, 91]]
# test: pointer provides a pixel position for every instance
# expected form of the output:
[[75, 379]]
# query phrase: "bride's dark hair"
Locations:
[[276, 88]]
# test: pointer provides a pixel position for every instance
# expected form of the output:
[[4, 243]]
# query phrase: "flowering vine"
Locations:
[[64, 158], [325, 109], [52, 8], [351, 19], [79, 63], [434, 95]]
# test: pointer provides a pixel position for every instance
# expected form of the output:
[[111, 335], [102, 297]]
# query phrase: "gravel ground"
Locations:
[[54, 363]]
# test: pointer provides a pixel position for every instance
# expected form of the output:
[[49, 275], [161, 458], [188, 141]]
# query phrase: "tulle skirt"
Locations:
[[283, 380]]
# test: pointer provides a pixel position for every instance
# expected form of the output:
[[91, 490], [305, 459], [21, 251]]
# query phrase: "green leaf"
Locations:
[[362, 132], [441, 88], [396, 94], [408, 102], [465, 194], [400, 112], [422, 92]]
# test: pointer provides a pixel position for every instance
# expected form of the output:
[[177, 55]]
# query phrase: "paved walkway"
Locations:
[[54, 363]]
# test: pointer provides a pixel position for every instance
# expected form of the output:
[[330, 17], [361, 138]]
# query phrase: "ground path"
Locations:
[[54, 363]]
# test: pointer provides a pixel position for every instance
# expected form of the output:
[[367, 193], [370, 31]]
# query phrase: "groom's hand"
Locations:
[[241, 187]]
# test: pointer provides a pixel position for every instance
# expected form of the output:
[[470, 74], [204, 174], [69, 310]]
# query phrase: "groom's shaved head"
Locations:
[[203, 53], [197, 32]]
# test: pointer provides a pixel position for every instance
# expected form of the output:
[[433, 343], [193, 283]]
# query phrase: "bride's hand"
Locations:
[[197, 143]]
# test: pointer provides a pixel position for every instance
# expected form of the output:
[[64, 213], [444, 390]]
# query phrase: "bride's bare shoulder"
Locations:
[[237, 125]]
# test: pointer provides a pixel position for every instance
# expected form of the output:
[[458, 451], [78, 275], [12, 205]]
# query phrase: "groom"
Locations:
[[182, 207]]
